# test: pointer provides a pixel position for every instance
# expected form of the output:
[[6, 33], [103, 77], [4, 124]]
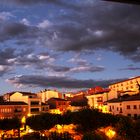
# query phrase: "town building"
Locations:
[[128, 105], [97, 100], [35, 105], [129, 86], [58, 105], [47, 94], [13, 109]]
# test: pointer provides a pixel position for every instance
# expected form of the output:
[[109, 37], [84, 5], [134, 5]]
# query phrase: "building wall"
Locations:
[[10, 111], [33, 109], [127, 108], [36, 107], [47, 94], [115, 108], [97, 100], [90, 100], [17, 96], [112, 94], [134, 109]]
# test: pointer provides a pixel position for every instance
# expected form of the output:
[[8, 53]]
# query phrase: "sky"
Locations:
[[67, 45]]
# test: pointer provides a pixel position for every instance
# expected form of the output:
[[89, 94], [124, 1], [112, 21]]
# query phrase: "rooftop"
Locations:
[[23, 93], [126, 97], [13, 103], [57, 99]]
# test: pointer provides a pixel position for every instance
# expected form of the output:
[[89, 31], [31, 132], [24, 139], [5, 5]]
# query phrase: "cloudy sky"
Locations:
[[67, 45]]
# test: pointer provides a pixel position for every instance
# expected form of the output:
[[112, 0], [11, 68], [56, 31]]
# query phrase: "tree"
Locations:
[[87, 120], [125, 127], [137, 129], [65, 118], [9, 124], [42, 122]]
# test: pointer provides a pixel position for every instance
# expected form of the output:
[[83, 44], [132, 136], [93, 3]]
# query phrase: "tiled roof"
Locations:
[[57, 99], [27, 93], [13, 103], [135, 97], [23, 93]]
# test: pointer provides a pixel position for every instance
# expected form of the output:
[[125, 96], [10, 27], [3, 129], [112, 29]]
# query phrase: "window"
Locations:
[[113, 107], [128, 106], [117, 108], [121, 110], [34, 109], [135, 107], [34, 103]]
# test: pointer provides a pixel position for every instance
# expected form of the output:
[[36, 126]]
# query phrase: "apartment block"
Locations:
[[13, 109]]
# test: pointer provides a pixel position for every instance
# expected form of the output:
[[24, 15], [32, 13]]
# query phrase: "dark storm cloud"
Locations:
[[76, 69], [58, 82], [96, 25], [59, 68], [10, 30], [15, 29], [7, 54], [112, 27], [41, 61]]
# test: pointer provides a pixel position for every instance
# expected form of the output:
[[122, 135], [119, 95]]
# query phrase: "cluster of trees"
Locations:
[[87, 122], [9, 124]]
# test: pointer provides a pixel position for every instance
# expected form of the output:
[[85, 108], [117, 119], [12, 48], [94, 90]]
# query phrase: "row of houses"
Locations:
[[24, 104], [120, 98]]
